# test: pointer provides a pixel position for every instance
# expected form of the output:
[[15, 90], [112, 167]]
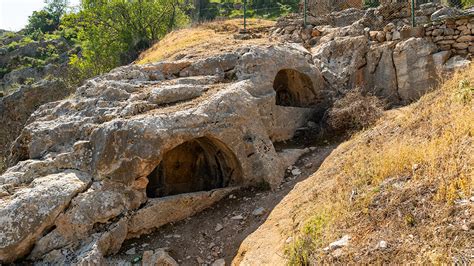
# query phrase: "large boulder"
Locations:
[[16, 108], [380, 73], [416, 71], [340, 68], [32, 210]]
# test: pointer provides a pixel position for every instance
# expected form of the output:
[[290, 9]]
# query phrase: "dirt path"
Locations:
[[217, 232]]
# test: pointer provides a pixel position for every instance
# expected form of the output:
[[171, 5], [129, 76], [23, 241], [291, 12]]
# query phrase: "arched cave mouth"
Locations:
[[293, 88], [201, 164]]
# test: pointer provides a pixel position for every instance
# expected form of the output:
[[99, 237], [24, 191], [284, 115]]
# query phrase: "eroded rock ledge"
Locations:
[[143, 146], [81, 170]]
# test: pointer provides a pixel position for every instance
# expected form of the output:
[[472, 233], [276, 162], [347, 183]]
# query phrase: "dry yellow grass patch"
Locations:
[[403, 181], [203, 39]]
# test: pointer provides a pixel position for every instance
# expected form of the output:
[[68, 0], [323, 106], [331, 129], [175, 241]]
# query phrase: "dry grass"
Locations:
[[202, 39], [403, 181], [353, 112]]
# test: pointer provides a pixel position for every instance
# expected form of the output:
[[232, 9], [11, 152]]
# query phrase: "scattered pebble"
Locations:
[[296, 172], [199, 260], [289, 240], [232, 196], [258, 211], [218, 227], [465, 227], [344, 241], [131, 251], [308, 165], [382, 244], [237, 217], [219, 262]]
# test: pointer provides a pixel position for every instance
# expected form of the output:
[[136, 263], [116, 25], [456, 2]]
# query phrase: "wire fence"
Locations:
[[409, 12]]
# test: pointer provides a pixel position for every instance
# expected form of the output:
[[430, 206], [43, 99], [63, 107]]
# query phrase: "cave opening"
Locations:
[[293, 88], [201, 164]]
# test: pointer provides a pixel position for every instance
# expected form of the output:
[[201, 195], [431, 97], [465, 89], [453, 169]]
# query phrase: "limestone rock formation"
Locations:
[[416, 72], [16, 108], [113, 146], [146, 145]]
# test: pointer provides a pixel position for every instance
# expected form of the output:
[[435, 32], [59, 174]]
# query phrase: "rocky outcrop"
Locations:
[[147, 145], [416, 73], [127, 129], [32, 210], [16, 108]]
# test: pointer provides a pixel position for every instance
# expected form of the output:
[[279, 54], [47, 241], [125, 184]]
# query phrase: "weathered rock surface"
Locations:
[[416, 73], [32, 210], [16, 108], [116, 129], [143, 146], [337, 66]]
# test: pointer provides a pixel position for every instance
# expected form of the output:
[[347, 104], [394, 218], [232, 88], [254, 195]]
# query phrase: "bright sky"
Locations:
[[14, 13]]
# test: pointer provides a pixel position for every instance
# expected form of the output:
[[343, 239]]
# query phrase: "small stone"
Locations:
[[308, 165], [373, 35], [344, 241], [465, 227], [465, 38], [472, 199], [231, 196], [382, 244], [296, 172], [389, 27], [237, 217], [147, 257], [219, 262], [437, 32], [460, 46], [199, 260], [463, 21], [289, 240], [131, 251], [218, 227], [312, 124], [315, 33], [396, 35], [258, 211], [380, 36]]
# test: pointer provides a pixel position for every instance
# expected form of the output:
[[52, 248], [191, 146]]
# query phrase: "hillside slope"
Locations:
[[206, 39], [401, 191]]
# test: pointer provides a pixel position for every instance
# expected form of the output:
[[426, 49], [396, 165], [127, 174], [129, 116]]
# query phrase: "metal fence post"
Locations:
[[413, 22], [245, 15], [304, 10]]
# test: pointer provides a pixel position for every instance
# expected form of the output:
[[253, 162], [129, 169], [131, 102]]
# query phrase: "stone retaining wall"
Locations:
[[455, 35]]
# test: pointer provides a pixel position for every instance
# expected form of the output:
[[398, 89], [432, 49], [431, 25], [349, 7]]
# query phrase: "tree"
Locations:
[[114, 32], [47, 19]]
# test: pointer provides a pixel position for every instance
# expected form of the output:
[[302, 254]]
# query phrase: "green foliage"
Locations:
[[3, 72], [48, 19], [298, 252], [269, 9], [371, 3], [114, 32]]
